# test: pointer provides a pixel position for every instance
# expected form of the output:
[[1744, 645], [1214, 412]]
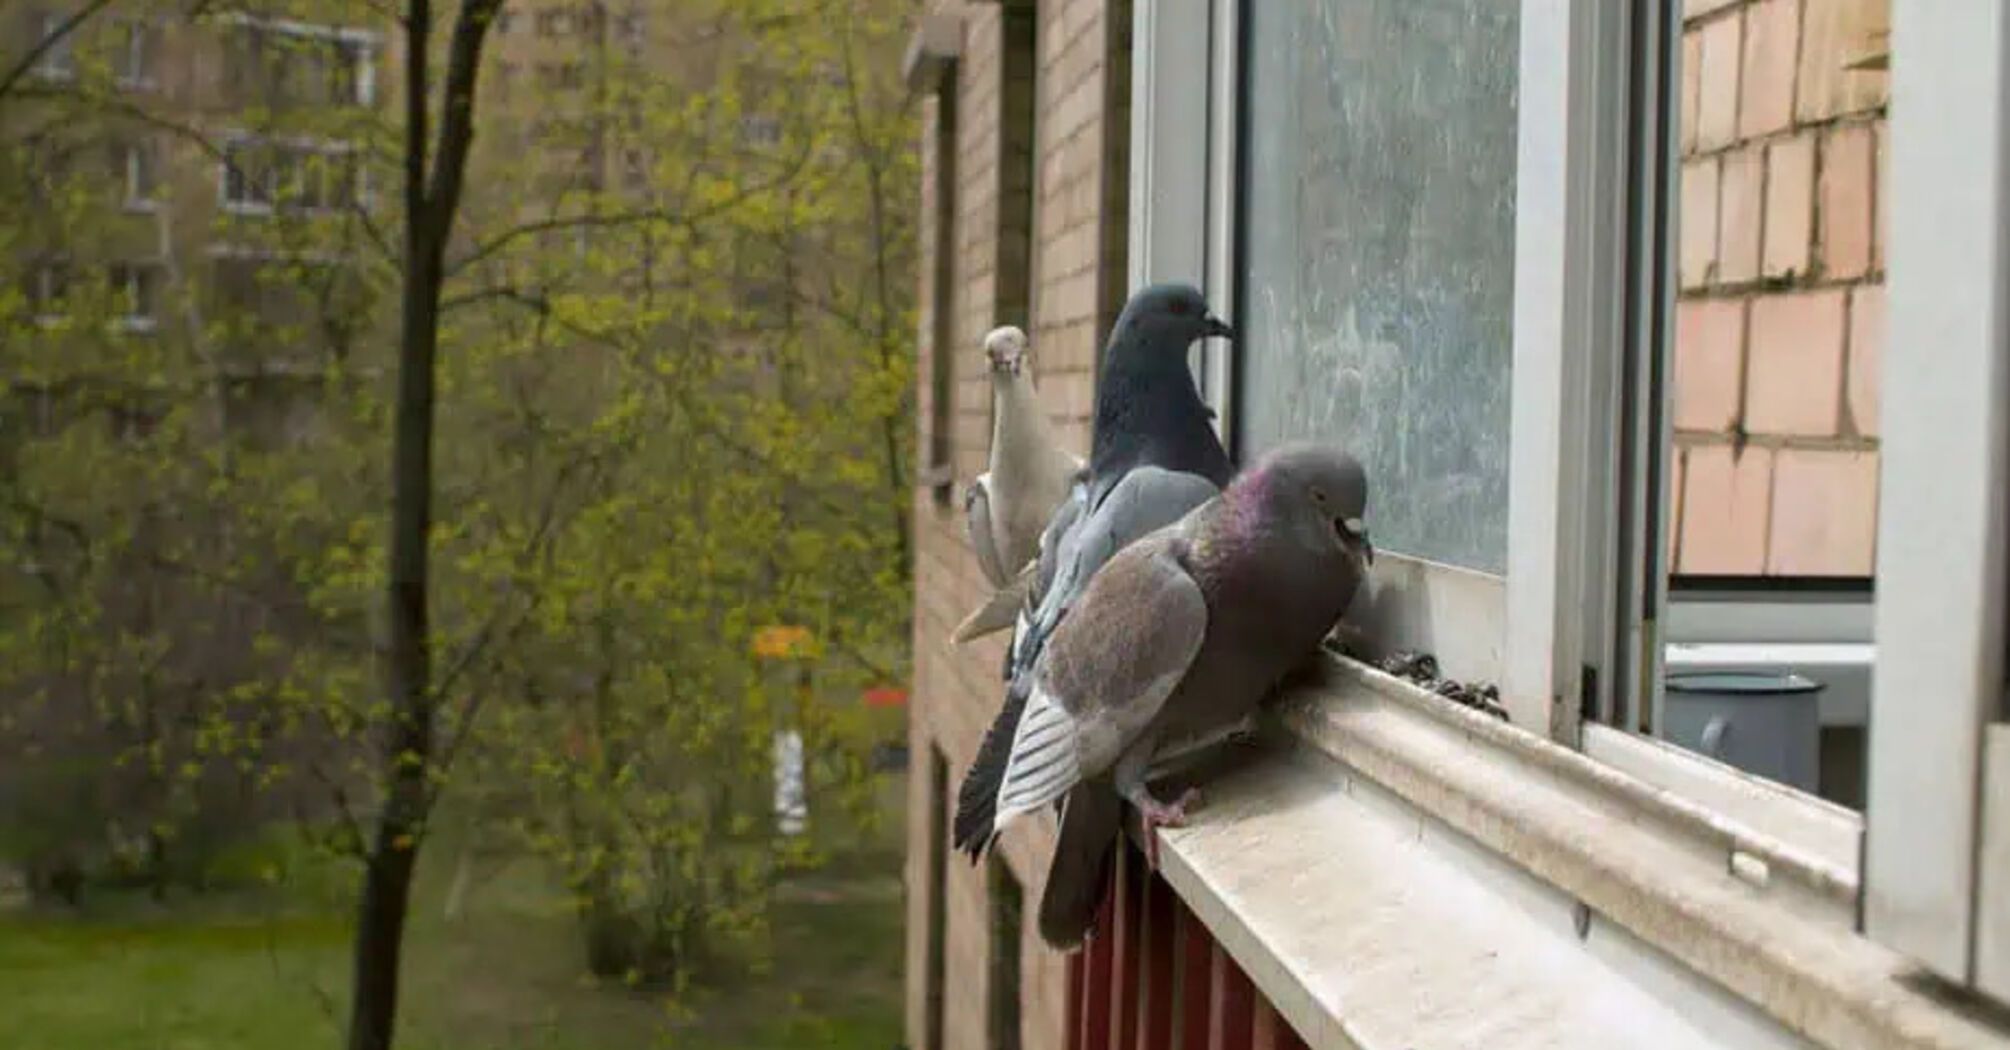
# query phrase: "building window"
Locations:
[[135, 291], [760, 131], [503, 20], [938, 816], [138, 43], [58, 60], [938, 473], [1018, 169], [555, 21], [259, 176], [48, 290], [561, 76], [298, 65], [1007, 948], [1378, 299], [140, 166]]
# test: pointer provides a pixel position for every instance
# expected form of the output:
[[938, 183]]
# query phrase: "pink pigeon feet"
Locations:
[[1156, 815]]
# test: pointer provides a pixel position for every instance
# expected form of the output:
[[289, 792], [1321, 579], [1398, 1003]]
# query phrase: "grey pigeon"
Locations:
[[1154, 456], [1178, 637], [1007, 507]]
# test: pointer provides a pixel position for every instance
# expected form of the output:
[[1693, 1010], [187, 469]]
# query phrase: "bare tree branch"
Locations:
[[47, 43]]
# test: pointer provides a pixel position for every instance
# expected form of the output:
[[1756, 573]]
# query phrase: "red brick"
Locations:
[[1790, 185], [1824, 513], [1740, 215], [1793, 381], [1866, 357], [1717, 102], [1697, 216], [1848, 158], [1766, 91], [1725, 510], [1709, 354], [1833, 34]]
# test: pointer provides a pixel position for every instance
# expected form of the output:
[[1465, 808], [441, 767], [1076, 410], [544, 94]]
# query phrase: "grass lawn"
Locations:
[[249, 972]]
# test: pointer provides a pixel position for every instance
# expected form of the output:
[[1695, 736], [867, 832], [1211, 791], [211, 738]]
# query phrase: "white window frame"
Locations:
[[142, 175], [367, 43], [134, 52], [59, 61], [143, 317], [1934, 884], [1937, 698]]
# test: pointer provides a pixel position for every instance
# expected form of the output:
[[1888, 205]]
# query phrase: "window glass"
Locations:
[[1378, 288], [1772, 390]]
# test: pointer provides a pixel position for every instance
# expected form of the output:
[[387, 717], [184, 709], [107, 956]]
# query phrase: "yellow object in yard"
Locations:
[[781, 641]]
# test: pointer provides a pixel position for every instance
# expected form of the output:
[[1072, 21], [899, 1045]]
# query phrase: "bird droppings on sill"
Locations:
[[1421, 669]]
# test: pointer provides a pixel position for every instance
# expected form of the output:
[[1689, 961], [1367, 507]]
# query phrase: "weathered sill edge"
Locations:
[[1613, 843]]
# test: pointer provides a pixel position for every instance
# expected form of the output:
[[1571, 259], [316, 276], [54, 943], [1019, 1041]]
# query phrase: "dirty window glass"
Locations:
[[1379, 276]]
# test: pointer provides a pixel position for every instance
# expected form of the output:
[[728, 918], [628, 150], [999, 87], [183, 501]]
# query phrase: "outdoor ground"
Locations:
[[258, 972]]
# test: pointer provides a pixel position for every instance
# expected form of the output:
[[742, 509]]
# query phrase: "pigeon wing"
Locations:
[[1105, 673]]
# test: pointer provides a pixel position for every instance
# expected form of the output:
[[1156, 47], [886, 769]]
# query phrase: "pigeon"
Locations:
[[1154, 456], [1179, 636], [1007, 507]]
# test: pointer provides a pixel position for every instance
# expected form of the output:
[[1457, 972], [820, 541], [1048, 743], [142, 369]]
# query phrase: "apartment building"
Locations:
[[1679, 377]]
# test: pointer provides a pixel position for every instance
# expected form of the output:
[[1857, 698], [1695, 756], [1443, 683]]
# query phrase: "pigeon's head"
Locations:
[[1005, 348], [1167, 318], [1323, 489]]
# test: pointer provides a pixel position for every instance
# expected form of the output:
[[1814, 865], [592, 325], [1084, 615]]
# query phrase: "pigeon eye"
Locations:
[[1319, 496]]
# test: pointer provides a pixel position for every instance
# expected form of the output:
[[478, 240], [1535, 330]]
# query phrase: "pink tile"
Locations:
[[1790, 191], [1880, 194], [1677, 466], [1848, 159], [1709, 355], [1772, 34], [1793, 382], [1824, 513], [1697, 217], [1692, 87], [1740, 215], [1717, 104], [1724, 511], [1866, 357]]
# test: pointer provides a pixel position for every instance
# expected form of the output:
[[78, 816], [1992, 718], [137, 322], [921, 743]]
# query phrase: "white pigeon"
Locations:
[[1008, 506]]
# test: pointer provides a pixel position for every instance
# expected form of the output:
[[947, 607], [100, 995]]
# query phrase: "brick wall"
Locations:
[[1779, 327], [1077, 265]]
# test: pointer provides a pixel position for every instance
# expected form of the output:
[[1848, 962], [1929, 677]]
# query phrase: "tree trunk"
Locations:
[[430, 207]]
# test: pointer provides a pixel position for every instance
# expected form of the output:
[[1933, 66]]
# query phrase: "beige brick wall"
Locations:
[[1779, 327], [1077, 266]]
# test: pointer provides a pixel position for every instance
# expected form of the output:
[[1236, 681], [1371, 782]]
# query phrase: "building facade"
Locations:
[[1599, 292]]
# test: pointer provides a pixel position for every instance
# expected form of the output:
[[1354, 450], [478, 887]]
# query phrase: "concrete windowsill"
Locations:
[[1394, 871]]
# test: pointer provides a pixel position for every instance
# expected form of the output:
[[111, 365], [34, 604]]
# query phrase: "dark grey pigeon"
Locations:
[[1154, 456], [1178, 637]]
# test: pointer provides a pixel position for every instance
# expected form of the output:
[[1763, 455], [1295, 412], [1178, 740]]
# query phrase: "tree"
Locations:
[[645, 388]]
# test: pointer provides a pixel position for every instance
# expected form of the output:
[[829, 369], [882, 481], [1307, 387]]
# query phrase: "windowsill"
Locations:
[[141, 206], [136, 85], [135, 325], [1398, 871]]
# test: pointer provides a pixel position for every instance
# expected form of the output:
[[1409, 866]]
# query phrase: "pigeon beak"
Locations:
[[1212, 325]]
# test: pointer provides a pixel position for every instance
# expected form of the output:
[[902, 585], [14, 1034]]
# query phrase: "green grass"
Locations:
[[268, 971]]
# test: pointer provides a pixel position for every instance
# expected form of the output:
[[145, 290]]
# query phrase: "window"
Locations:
[[938, 815], [561, 76], [135, 291], [48, 290], [1018, 168], [136, 54], [290, 64], [140, 168], [505, 17], [259, 176], [1007, 946], [1636, 354], [555, 21], [58, 60], [937, 471], [1379, 281], [249, 177], [760, 131]]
